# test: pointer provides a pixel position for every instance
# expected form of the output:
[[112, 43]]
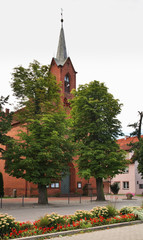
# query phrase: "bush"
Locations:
[[24, 225], [112, 211], [115, 188], [100, 211], [6, 224], [139, 213], [82, 214], [50, 220], [1, 185], [126, 210]]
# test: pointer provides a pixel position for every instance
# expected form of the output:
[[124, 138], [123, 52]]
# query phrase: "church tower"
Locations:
[[62, 67]]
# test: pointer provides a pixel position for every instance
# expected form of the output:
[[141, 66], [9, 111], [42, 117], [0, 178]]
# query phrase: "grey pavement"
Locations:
[[31, 211], [132, 232]]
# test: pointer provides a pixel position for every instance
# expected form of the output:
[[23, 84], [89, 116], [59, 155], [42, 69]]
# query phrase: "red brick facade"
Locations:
[[60, 72]]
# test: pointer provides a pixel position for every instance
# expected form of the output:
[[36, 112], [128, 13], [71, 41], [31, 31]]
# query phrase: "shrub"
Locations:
[[6, 224], [82, 214], [115, 188], [100, 211], [126, 210], [138, 212], [129, 194], [50, 220], [112, 211], [1, 185], [24, 225]]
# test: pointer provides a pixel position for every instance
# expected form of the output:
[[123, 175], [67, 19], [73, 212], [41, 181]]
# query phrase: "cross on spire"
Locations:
[[62, 17]]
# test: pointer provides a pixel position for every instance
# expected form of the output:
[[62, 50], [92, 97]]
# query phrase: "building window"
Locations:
[[79, 185], [140, 186], [126, 170], [67, 84], [125, 185], [54, 185]]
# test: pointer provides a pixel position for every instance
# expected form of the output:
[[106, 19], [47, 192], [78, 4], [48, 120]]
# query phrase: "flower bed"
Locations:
[[98, 216]]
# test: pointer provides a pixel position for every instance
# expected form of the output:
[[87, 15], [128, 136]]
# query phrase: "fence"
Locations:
[[24, 201]]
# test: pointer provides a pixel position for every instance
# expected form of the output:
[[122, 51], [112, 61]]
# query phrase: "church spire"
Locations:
[[61, 51]]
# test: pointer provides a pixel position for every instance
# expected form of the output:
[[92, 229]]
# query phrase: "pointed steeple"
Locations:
[[61, 51]]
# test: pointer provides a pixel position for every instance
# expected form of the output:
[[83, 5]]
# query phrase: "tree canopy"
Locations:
[[43, 149], [5, 123], [95, 130], [137, 147]]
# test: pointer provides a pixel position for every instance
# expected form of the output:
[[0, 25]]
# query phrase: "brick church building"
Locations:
[[63, 69]]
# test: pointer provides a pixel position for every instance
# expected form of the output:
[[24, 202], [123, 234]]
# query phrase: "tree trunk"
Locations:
[[42, 197], [140, 125], [99, 186]]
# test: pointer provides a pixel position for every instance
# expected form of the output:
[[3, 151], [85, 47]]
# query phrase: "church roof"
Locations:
[[61, 56]]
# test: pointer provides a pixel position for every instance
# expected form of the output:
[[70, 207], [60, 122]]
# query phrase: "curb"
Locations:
[[71, 232]]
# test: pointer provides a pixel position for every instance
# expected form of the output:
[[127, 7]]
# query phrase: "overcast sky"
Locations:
[[104, 40]]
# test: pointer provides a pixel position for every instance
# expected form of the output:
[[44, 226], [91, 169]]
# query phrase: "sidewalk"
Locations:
[[134, 232], [29, 210]]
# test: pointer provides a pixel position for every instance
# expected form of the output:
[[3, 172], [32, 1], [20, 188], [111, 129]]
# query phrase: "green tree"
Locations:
[[42, 152], [137, 126], [115, 188], [137, 147], [95, 129], [5, 123], [1, 185]]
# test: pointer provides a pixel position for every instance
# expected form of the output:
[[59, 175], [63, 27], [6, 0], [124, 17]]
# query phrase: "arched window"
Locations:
[[67, 83]]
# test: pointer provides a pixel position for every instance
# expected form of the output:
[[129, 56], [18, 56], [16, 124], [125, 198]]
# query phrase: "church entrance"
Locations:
[[65, 184]]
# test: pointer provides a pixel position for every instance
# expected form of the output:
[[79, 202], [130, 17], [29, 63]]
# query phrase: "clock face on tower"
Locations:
[[67, 84]]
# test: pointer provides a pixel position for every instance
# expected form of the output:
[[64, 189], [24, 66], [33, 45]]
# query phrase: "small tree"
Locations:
[[137, 147], [115, 188], [95, 129], [1, 185], [43, 150]]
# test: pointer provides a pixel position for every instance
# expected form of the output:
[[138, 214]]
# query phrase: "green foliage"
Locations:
[[42, 153], [50, 220], [137, 147], [43, 149], [22, 226], [138, 212], [95, 129], [115, 188], [1, 185], [6, 224], [126, 210], [112, 211], [82, 214], [100, 211], [35, 88], [5, 123]]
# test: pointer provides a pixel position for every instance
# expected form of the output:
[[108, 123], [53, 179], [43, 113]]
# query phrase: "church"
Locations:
[[62, 68]]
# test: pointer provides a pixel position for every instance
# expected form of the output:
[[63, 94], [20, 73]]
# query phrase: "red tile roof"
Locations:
[[123, 142]]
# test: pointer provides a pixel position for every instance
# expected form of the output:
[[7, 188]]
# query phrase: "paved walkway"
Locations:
[[134, 232], [29, 210]]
